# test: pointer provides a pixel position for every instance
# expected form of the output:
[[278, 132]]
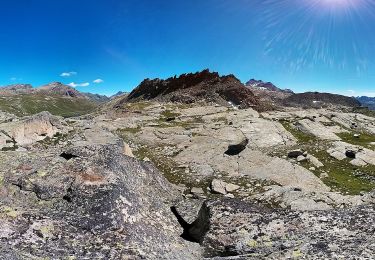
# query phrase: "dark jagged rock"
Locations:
[[317, 100], [235, 149], [230, 227], [203, 86]]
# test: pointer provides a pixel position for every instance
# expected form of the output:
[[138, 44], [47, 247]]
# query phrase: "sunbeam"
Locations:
[[324, 31]]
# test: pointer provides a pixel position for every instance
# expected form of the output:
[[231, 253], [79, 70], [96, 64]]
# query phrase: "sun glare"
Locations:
[[339, 4]]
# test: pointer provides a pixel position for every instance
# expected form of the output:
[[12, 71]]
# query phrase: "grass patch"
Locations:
[[129, 130], [165, 121], [298, 134], [221, 119], [169, 114], [363, 140], [345, 177], [55, 140], [364, 111], [164, 164], [23, 105], [138, 106]]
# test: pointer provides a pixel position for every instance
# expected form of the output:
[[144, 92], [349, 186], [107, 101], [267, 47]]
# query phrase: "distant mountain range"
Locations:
[[258, 84], [51, 89], [204, 86], [57, 98], [367, 102]]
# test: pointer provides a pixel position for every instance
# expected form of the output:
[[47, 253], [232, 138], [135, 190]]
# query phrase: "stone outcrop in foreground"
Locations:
[[229, 227], [88, 202]]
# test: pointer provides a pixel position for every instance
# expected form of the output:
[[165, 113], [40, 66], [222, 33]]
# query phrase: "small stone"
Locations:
[[218, 186], [312, 168], [231, 187], [21, 149], [295, 153], [197, 191], [128, 151], [358, 162], [301, 158], [229, 195]]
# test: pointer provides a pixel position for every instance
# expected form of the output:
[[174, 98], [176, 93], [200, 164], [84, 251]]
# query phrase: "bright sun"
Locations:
[[339, 3]]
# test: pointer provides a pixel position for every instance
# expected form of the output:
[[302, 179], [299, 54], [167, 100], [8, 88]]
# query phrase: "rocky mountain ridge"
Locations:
[[51, 89], [316, 99], [204, 86]]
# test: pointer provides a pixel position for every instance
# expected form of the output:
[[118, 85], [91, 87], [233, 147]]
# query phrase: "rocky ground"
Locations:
[[152, 180]]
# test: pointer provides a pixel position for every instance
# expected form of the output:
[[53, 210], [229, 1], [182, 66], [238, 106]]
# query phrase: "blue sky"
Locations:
[[305, 45]]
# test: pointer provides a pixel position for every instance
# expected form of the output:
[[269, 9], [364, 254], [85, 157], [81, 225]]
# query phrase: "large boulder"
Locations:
[[87, 202], [31, 129]]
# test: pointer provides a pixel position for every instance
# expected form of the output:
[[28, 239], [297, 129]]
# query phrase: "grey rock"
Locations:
[[84, 196], [197, 191], [244, 230], [218, 186]]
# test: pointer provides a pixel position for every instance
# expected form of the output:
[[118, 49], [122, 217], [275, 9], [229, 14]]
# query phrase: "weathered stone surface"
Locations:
[[319, 130], [315, 161], [297, 199], [233, 228], [32, 129], [128, 151], [229, 187], [218, 186], [197, 191], [88, 195], [342, 150]]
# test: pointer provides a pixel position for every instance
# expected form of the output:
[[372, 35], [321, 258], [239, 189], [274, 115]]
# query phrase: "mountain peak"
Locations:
[[261, 85], [203, 86], [58, 88]]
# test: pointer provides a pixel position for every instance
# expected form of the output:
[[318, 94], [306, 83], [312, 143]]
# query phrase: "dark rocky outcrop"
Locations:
[[317, 100], [203, 86]]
